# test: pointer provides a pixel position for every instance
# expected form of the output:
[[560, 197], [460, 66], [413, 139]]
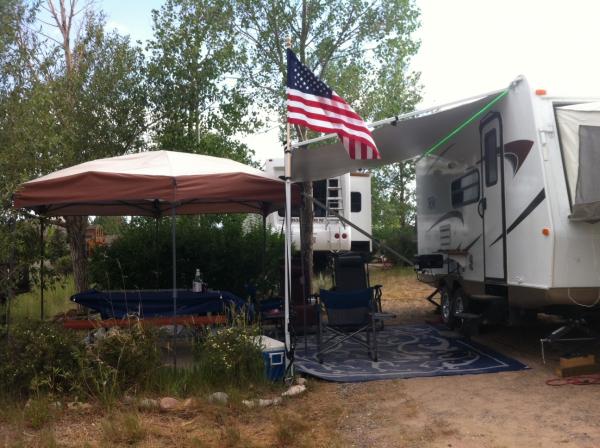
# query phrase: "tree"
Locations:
[[68, 95], [196, 104], [360, 48]]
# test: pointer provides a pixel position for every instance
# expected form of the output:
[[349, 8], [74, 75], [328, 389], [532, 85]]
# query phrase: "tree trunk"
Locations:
[[76, 227], [307, 215]]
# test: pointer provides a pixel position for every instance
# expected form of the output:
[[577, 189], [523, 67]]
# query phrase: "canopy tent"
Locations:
[[150, 184], [398, 138], [154, 184]]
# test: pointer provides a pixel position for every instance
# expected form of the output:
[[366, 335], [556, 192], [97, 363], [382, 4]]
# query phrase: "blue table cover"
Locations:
[[119, 304]]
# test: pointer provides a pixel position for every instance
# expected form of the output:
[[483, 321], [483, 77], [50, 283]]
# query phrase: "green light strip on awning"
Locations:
[[483, 110]]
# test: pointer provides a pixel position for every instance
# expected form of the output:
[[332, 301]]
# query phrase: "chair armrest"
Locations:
[[377, 286], [312, 299]]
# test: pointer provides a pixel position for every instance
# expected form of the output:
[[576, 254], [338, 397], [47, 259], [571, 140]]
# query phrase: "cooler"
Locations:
[[274, 356]]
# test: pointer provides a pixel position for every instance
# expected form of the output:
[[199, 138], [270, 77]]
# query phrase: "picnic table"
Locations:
[[157, 303]]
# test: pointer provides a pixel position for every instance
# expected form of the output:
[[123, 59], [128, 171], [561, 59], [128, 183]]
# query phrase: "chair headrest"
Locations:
[[346, 299], [350, 260]]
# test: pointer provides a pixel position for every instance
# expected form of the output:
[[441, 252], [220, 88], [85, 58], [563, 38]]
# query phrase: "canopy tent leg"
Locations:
[[264, 251], [11, 270], [174, 260], [156, 254], [42, 257]]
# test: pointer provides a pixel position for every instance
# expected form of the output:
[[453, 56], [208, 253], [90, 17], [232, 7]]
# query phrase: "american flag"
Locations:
[[311, 103]]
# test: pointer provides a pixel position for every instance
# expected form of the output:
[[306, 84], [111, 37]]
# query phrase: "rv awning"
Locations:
[[151, 184], [579, 129], [398, 139]]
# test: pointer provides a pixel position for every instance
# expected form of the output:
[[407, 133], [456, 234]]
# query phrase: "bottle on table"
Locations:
[[197, 283]]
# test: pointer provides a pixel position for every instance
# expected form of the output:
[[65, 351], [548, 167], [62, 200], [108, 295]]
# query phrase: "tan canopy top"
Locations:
[[149, 183]]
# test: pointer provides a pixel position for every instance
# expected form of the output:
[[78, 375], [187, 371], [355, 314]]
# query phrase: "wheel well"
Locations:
[[451, 284], [456, 285]]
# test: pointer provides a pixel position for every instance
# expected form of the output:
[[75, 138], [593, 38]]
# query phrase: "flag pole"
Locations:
[[288, 234]]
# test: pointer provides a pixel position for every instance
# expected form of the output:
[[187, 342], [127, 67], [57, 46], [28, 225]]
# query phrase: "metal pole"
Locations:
[[174, 295], [42, 256], [156, 255], [264, 252], [11, 271], [288, 236]]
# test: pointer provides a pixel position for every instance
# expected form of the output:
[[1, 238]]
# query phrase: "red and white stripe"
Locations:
[[323, 114]]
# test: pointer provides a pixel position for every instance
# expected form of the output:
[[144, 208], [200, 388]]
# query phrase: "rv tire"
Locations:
[[447, 307], [461, 305], [460, 301]]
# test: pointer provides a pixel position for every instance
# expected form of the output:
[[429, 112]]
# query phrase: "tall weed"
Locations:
[[231, 356], [125, 360]]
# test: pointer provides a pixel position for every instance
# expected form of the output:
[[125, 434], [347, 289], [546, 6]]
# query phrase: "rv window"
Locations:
[[465, 189], [491, 158], [355, 202]]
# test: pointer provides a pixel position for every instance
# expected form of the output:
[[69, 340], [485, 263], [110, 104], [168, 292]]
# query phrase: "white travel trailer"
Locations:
[[349, 194], [508, 209], [508, 199]]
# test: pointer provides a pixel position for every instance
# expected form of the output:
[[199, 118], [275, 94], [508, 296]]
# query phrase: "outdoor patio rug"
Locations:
[[405, 351]]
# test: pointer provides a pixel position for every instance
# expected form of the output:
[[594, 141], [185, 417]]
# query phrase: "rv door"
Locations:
[[491, 206]]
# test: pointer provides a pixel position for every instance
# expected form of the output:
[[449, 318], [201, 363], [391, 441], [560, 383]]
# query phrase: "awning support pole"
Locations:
[[364, 232]]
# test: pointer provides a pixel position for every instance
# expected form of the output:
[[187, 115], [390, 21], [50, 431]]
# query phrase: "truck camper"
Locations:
[[348, 194]]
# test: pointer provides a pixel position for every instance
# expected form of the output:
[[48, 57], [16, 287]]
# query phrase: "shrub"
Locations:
[[39, 357], [229, 254], [230, 356], [125, 359], [402, 240]]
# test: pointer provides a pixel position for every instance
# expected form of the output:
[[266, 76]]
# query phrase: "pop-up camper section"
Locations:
[[579, 130]]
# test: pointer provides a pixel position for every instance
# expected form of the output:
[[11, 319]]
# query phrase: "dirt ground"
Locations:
[[510, 409]]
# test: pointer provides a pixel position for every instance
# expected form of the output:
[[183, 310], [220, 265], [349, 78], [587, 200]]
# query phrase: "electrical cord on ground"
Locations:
[[581, 380]]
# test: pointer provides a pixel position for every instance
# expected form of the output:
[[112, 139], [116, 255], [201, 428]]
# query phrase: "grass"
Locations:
[[56, 300], [38, 413], [123, 428], [291, 432], [390, 278]]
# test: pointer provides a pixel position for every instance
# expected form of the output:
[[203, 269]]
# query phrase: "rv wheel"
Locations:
[[461, 303], [447, 308]]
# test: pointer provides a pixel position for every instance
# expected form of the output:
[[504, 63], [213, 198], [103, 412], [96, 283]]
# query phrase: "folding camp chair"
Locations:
[[351, 273], [348, 315]]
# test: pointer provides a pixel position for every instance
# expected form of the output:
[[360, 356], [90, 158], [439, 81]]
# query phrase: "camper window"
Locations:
[[491, 158], [465, 189], [355, 202]]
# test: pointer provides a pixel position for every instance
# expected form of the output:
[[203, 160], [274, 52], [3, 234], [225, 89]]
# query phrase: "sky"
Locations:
[[468, 47]]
